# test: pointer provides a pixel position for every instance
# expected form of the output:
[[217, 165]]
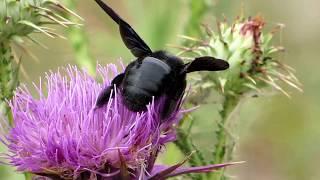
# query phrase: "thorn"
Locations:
[[222, 84], [273, 84], [219, 28], [54, 19], [189, 38], [69, 11], [250, 78], [30, 24], [208, 30], [37, 42]]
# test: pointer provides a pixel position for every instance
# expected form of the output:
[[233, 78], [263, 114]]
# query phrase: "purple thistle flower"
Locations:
[[61, 135]]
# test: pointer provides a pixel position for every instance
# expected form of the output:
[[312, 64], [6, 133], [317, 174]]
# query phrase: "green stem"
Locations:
[[79, 41], [8, 78], [225, 144], [185, 145], [27, 176]]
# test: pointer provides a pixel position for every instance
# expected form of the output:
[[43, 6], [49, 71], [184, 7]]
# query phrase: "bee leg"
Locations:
[[174, 98], [105, 94], [103, 97]]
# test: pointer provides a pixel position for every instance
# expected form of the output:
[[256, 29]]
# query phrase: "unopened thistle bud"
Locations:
[[251, 55]]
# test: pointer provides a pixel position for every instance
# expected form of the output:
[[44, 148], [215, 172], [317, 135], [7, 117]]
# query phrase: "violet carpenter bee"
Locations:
[[153, 74]]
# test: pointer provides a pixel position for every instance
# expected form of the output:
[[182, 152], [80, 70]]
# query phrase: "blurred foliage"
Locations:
[[278, 135], [79, 42], [197, 11]]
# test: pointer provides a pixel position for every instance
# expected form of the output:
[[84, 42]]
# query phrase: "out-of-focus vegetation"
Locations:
[[277, 136]]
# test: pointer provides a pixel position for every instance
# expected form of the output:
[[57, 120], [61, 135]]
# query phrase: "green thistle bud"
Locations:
[[251, 56]]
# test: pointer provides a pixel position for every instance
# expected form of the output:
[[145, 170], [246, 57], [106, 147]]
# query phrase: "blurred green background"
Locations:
[[278, 136]]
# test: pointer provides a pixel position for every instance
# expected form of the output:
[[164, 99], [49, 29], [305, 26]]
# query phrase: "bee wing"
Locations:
[[130, 38], [206, 63]]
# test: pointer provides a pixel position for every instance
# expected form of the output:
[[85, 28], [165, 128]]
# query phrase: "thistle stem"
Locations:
[[27, 176], [185, 145], [8, 78], [224, 145]]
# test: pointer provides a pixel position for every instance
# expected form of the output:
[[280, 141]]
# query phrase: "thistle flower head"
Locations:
[[60, 134], [250, 53]]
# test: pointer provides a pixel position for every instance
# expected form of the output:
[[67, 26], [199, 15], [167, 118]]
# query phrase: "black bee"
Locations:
[[152, 74]]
